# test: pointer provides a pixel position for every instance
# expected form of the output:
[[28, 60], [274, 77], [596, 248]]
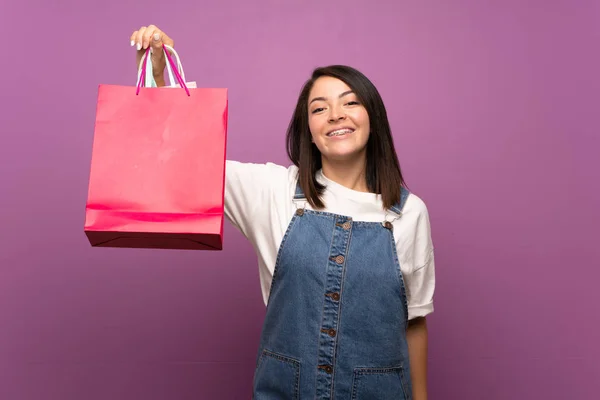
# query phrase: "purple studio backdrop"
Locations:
[[494, 109]]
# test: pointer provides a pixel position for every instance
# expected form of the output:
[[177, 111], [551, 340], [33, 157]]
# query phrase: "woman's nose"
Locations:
[[336, 115]]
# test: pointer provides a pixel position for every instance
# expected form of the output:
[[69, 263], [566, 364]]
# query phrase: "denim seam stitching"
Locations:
[[401, 283], [277, 267], [324, 305], [330, 215], [339, 314]]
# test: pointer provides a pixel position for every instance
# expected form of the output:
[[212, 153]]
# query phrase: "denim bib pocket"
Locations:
[[277, 377], [379, 383]]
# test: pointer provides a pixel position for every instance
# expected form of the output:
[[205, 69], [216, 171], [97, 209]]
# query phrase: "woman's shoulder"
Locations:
[[415, 205], [415, 222]]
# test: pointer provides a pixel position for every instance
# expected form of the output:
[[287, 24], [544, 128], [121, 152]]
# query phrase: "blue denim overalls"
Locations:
[[335, 326]]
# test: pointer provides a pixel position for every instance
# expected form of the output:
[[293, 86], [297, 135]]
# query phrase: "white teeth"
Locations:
[[340, 132]]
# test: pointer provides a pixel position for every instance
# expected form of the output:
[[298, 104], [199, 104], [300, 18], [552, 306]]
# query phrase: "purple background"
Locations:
[[495, 112]]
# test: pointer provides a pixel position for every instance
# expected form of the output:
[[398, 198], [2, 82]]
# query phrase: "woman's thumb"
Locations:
[[156, 42]]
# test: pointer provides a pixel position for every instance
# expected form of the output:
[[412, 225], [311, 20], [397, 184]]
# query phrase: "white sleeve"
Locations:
[[420, 281], [248, 188]]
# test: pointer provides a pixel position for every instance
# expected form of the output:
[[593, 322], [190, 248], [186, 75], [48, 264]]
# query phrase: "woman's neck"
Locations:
[[351, 174]]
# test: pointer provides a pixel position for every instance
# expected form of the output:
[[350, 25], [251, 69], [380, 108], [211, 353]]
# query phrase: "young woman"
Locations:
[[345, 252]]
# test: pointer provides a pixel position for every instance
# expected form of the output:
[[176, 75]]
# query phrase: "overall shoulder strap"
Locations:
[[299, 194], [397, 208]]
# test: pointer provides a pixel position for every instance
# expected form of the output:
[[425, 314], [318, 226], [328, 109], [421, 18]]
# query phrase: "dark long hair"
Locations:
[[383, 172]]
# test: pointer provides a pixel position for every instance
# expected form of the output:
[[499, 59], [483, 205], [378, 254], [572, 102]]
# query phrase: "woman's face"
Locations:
[[338, 122]]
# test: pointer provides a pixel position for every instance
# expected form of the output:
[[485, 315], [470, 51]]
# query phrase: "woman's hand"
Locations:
[[148, 36]]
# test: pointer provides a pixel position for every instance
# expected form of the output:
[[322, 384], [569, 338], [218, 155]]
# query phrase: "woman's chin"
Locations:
[[344, 155]]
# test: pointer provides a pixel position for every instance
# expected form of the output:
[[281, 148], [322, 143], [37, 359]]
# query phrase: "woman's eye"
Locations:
[[316, 110], [352, 103]]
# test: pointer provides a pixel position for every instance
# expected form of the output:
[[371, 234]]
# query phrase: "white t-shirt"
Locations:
[[259, 201]]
